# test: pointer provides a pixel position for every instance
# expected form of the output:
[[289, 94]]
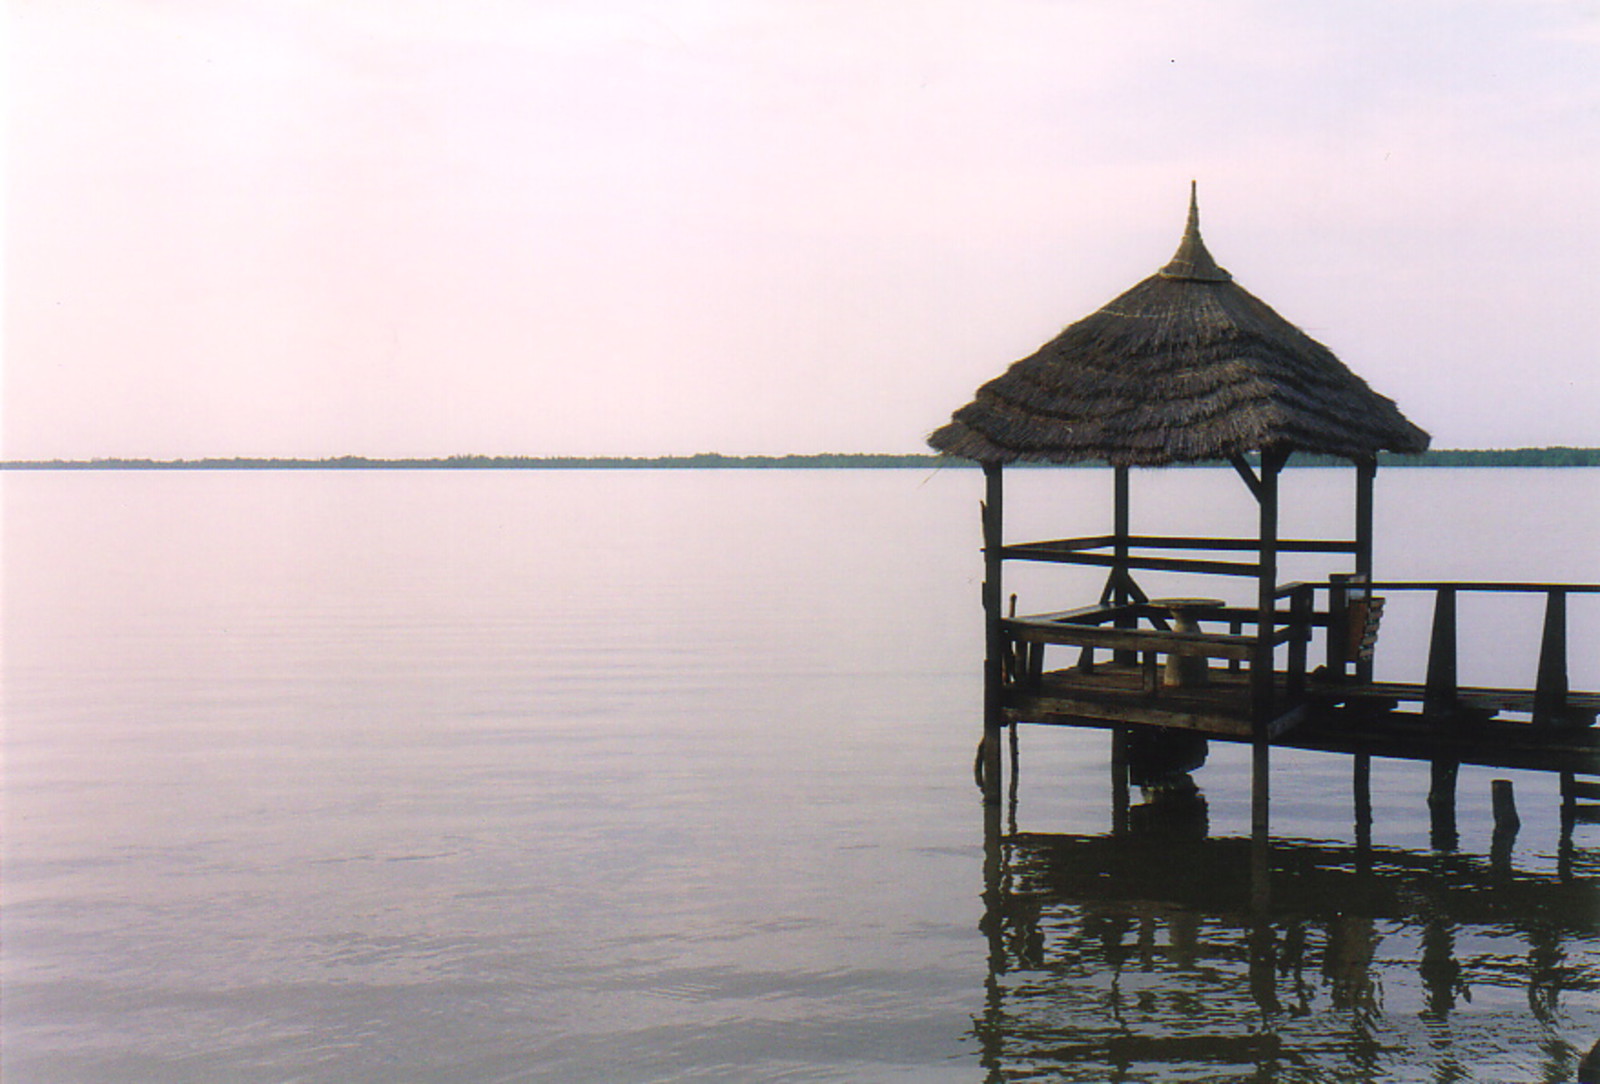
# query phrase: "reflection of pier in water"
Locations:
[[1155, 953]]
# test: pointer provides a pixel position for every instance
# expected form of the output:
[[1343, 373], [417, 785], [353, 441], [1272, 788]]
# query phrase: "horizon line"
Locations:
[[1556, 455]]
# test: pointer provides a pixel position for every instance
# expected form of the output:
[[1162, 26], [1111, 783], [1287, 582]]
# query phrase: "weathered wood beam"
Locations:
[[1087, 542], [1083, 615], [1406, 736], [1150, 564], [1251, 481], [1051, 709], [1185, 542], [1394, 735], [1203, 644], [1490, 586], [1481, 697]]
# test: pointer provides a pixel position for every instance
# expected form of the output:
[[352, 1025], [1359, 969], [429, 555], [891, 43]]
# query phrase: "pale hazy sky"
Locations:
[[398, 227]]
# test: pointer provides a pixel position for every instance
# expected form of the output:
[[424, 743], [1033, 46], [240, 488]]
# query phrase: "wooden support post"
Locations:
[[1439, 694], [1550, 694], [1442, 805], [1120, 517], [1569, 791], [1260, 789], [1505, 806], [1119, 780], [1016, 776], [995, 644], [1120, 531], [1261, 672], [1338, 655], [1260, 826], [1300, 604], [1366, 476], [1261, 663], [1362, 785], [1506, 823]]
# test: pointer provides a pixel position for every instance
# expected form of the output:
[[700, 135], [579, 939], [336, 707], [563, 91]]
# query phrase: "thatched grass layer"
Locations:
[[1186, 365]]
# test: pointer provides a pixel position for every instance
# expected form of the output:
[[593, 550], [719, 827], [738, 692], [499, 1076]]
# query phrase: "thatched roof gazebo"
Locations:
[[1185, 367]]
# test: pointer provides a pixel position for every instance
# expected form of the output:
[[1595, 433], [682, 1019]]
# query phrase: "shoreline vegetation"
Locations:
[[1507, 457]]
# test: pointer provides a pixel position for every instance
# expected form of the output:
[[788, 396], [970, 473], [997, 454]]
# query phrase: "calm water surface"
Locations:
[[638, 776]]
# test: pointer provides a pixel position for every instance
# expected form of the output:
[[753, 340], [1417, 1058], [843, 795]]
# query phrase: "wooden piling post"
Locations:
[[993, 666], [1121, 518], [1300, 605], [1440, 702], [1260, 826], [1506, 822], [1119, 779], [1550, 693], [1260, 788], [1261, 664], [1442, 805], [1366, 476], [1505, 806], [1016, 776], [1362, 786], [1439, 694], [1338, 645]]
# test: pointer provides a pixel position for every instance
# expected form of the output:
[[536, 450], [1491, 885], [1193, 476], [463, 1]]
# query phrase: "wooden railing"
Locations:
[[1550, 700], [1082, 551], [1349, 616], [1105, 628]]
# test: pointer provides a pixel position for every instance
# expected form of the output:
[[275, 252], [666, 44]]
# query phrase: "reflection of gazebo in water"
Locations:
[[1148, 955], [1189, 367]]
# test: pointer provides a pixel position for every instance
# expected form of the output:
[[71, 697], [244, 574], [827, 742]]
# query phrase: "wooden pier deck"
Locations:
[[1135, 665], [1384, 719], [1162, 673]]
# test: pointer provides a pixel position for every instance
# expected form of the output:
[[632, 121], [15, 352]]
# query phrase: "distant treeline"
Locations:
[[1513, 457]]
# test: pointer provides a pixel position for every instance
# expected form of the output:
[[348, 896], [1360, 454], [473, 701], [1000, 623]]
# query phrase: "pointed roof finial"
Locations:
[[1192, 261]]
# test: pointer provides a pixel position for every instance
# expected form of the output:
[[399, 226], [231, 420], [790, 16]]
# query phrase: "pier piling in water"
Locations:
[[1505, 807]]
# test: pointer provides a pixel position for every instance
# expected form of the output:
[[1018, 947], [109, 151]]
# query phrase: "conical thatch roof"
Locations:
[[1186, 365]]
